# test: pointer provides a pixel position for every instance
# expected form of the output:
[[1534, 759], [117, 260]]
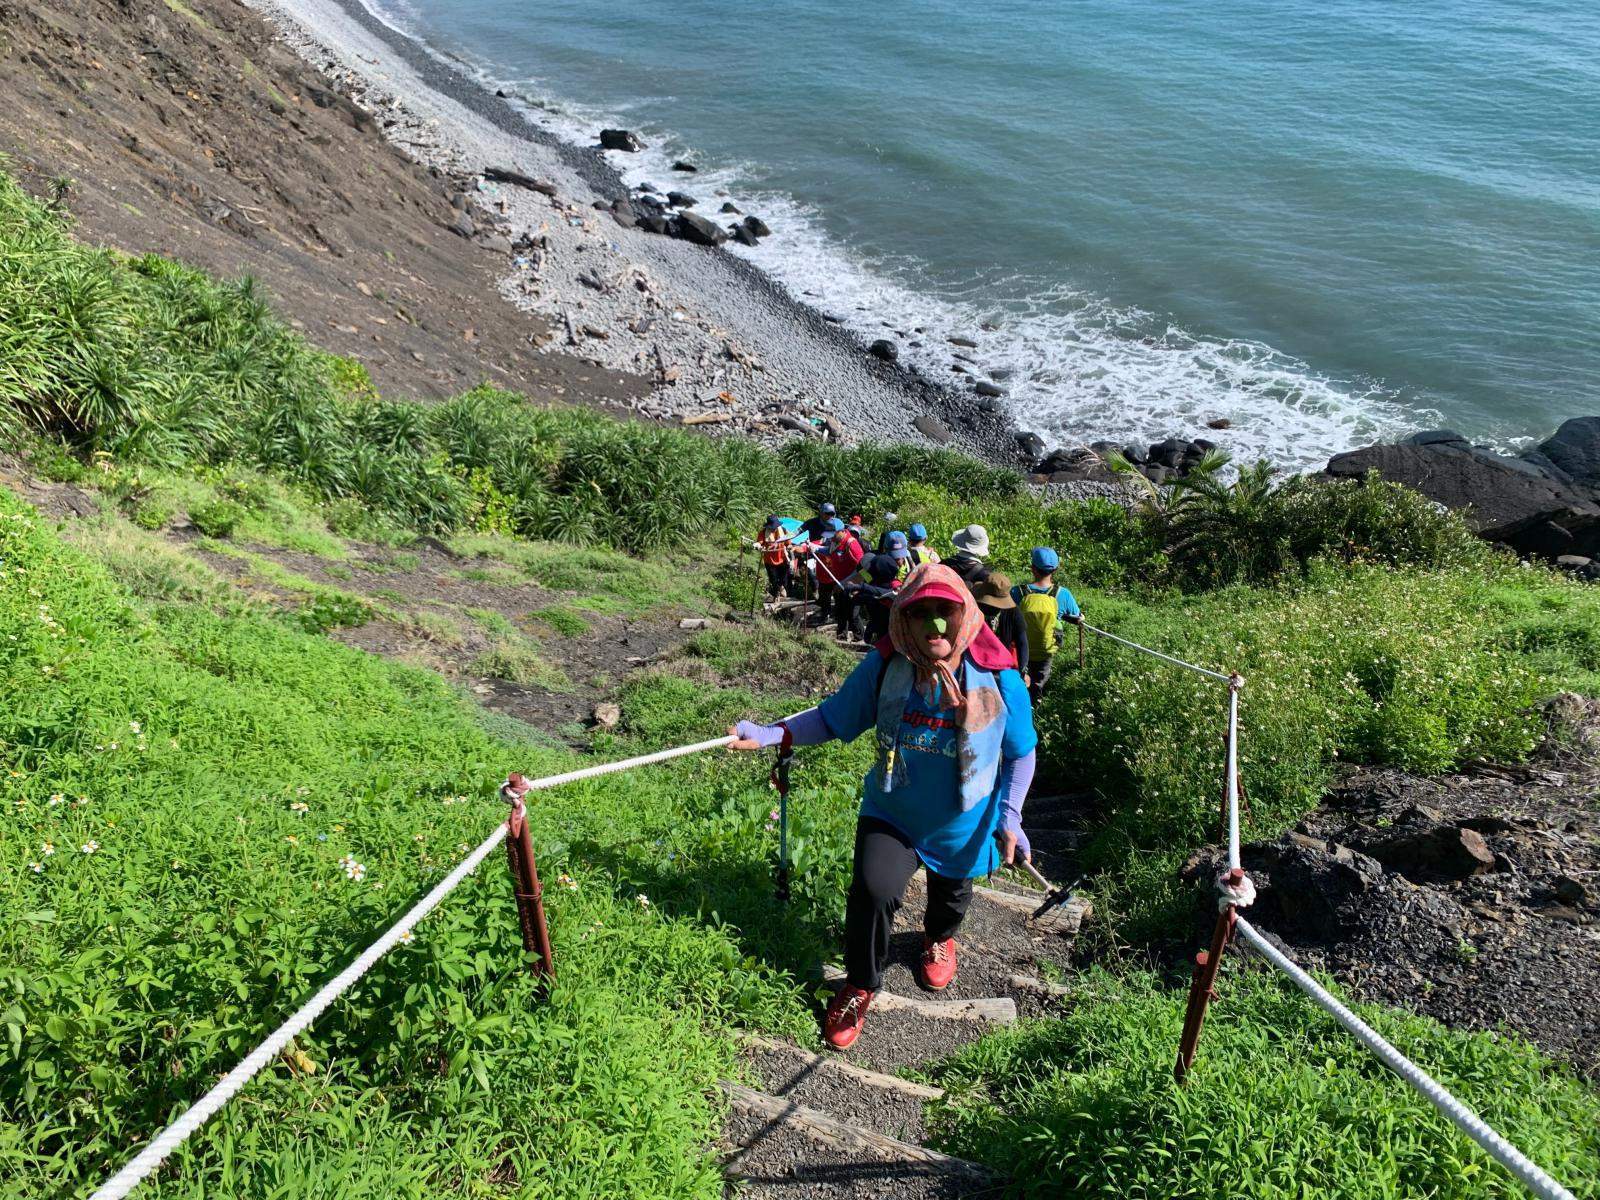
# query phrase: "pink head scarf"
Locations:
[[970, 634]]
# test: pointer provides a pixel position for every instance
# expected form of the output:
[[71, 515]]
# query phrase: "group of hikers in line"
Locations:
[[831, 561], [957, 657]]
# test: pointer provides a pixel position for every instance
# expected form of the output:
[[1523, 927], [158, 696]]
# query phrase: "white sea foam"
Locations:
[[1074, 368]]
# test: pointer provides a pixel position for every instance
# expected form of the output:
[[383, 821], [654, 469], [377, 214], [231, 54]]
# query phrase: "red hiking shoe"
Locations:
[[847, 1013], [938, 963]]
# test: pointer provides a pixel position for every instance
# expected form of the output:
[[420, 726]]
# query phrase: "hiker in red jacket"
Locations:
[[842, 561], [955, 740]]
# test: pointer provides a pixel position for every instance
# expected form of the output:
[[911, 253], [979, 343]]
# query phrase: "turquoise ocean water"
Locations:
[[1323, 222]]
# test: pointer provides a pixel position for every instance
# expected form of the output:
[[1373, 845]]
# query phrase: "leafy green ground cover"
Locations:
[[186, 796], [1281, 1103]]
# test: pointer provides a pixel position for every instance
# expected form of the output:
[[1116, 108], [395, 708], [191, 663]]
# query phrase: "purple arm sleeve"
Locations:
[[1016, 777], [808, 728]]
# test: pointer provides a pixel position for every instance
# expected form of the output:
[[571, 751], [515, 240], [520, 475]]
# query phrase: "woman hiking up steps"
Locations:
[[955, 738]]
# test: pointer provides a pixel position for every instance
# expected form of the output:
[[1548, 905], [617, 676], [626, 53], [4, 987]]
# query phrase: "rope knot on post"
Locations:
[[1234, 889]]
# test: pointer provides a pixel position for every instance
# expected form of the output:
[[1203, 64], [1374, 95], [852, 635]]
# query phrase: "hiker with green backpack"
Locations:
[[1045, 606]]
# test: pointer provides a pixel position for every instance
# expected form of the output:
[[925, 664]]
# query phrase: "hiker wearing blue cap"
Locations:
[[1044, 605], [897, 548], [921, 552]]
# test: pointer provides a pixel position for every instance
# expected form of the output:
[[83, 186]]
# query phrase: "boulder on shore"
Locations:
[[621, 139], [680, 200], [1508, 500], [757, 226], [885, 349], [1575, 449], [692, 227]]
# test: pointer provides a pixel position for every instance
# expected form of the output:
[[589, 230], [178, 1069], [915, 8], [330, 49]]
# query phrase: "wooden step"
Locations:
[[1030, 983], [825, 1130], [1002, 1010], [838, 1066]]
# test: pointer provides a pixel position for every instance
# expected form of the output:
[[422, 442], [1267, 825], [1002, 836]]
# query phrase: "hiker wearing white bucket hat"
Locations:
[[972, 545]]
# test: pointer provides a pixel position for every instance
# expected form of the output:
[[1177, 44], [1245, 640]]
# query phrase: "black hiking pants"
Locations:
[[777, 578], [885, 862]]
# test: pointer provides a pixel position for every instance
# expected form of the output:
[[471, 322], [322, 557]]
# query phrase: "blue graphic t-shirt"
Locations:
[[927, 806]]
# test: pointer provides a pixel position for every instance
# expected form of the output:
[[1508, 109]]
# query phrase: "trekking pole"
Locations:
[[1056, 897], [780, 780], [1080, 643]]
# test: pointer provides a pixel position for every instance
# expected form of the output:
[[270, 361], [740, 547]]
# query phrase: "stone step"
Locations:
[[801, 1153], [870, 1099]]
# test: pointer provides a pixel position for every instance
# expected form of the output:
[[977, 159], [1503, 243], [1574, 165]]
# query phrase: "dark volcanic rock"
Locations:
[[1575, 449], [624, 213], [621, 139], [654, 222], [984, 388], [681, 199], [1168, 453], [1436, 437], [728, 206], [692, 227], [1506, 500], [885, 349], [681, 165], [1435, 853], [742, 235], [933, 428], [1031, 445], [463, 226], [757, 226]]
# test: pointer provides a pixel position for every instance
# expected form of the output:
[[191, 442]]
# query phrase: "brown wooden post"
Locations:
[[525, 881], [1201, 991]]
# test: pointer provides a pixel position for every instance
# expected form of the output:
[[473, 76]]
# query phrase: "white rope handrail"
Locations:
[[170, 1138], [1177, 662], [1462, 1117]]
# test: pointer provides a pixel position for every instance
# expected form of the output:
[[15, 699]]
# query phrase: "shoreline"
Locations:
[[705, 324]]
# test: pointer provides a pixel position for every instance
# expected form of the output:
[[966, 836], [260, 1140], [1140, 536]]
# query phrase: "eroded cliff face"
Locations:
[[186, 129]]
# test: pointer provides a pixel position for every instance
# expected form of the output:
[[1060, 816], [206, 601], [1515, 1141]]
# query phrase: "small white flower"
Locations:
[[56, 799], [36, 867], [134, 726], [644, 901], [47, 849], [299, 808], [407, 938], [90, 846], [567, 881]]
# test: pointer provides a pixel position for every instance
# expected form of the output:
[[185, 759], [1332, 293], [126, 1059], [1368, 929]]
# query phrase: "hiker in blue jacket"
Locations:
[[956, 745]]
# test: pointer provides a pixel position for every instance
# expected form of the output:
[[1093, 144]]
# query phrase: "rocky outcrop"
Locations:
[[1533, 503], [621, 139]]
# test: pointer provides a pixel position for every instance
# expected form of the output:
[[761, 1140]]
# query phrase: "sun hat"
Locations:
[[936, 590], [897, 545], [994, 592], [1044, 559], [774, 523], [827, 510], [974, 539], [918, 532]]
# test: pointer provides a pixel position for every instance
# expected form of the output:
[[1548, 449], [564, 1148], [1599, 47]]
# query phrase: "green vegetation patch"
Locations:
[[202, 815], [1281, 1102]]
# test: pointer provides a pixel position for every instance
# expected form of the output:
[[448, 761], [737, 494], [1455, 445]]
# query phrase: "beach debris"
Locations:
[[621, 139], [607, 715], [506, 175], [707, 418]]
